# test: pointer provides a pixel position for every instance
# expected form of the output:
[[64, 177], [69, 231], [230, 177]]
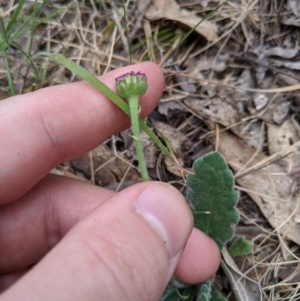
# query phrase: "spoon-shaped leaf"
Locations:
[[213, 198]]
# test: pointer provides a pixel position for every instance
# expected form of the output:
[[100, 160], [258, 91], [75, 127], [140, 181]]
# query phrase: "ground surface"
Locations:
[[232, 85]]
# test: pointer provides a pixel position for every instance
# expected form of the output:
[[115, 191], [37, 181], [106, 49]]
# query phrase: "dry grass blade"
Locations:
[[233, 86]]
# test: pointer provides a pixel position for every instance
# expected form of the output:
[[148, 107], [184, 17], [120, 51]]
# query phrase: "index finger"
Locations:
[[42, 129]]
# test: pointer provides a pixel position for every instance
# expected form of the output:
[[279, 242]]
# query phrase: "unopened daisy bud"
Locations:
[[132, 84]]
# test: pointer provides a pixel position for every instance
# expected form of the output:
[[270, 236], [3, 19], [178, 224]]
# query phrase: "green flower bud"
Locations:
[[131, 84]]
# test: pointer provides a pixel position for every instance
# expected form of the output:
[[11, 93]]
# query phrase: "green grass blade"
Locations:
[[13, 19], [115, 98], [192, 30], [32, 28], [3, 33], [91, 79], [50, 16], [24, 27], [27, 57], [9, 75]]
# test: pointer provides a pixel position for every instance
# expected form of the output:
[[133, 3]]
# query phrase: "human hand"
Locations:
[[86, 242]]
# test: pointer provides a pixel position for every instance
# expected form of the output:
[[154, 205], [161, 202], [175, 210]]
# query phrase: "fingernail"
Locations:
[[167, 212]]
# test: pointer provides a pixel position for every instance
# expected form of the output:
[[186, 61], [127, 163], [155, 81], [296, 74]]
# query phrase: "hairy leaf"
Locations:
[[204, 293], [212, 197], [241, 246], [170, 293], [216, 296]]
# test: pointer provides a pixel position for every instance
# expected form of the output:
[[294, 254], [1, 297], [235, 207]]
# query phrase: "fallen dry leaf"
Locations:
[[281, 52], [149, 149], [277, 110], [176, 139], [171, 10], [244, 288], [165, 107], [108, 169], [61, 171], [177, 142], [281, 137], [218, 109], [290, 20], [294, 65], [294, 6]]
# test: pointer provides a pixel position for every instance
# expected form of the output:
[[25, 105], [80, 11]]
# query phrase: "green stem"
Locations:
[[94, 81], [134, 114]]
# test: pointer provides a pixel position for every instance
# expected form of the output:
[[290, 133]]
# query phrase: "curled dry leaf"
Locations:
[[277, 110], [281, 52], [177, 140], [260, 101], [170, 10], [165, 107], [149, 149], [294, 6], [292, 18], [218, 109], [281, 137], [286, 20], [281, 112], [61, 171], [244, 288], [295, 65], [108, 169], [265, 51], [223, 109], [286, 80]]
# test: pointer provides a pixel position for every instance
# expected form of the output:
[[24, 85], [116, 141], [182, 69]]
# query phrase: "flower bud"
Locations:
[[131, 84]]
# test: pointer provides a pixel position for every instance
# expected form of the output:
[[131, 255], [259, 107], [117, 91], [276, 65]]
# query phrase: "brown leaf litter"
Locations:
[[232, 86]]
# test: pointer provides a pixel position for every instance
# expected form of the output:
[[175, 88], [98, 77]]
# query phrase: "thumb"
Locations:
[[125, 249]]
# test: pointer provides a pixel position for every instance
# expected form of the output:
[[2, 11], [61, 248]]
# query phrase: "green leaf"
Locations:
[[204, 293], [241, 246], [216, 296], [170, 293], [212, 197], [190, 292]]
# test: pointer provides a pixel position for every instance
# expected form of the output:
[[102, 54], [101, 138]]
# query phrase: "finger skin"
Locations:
[[34, 224], [114, 253], [7, 280], [45, 124], [200, 259], [41, 129]]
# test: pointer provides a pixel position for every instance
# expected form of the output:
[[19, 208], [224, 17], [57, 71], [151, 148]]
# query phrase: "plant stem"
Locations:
[[134, 114], [95, 82]]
